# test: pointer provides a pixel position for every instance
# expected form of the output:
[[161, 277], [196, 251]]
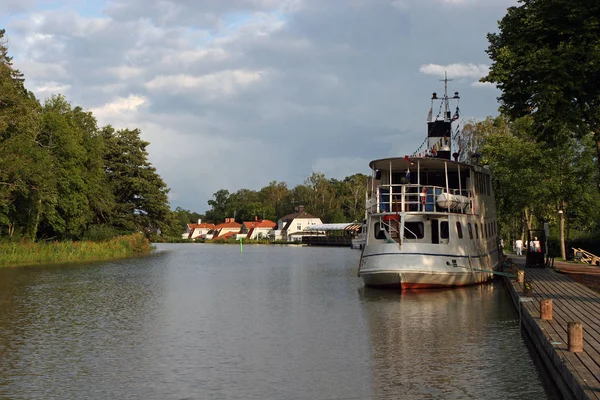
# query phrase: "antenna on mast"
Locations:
[[445, 99]]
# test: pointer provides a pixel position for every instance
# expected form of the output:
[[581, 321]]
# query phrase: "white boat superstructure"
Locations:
[[359, 241], [431, 221]]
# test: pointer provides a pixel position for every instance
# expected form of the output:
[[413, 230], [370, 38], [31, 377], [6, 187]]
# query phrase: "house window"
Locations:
[[470, 228], [459, 230], [299, 226], [476, 231]]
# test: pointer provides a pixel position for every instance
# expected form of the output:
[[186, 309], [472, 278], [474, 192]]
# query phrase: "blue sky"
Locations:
[[234, 94]]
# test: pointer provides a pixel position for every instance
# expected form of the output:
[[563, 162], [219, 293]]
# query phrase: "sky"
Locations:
[[234, 94]]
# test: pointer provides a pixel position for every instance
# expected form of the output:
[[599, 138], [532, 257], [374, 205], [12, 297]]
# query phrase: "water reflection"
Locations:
[[453, 343]]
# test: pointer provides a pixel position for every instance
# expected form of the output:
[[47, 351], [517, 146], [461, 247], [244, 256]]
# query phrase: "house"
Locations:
[[291, 226], [257, 229], [220, 230], [198, 230]]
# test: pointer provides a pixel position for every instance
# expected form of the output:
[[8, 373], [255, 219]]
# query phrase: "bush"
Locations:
[[99, 233]]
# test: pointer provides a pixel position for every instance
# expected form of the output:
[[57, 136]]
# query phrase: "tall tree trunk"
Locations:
[[34, 219]]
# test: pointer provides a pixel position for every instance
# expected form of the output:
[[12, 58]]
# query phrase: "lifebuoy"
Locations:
[[424, 195]]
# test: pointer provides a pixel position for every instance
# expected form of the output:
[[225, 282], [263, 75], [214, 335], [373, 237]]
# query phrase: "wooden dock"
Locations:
[[576, 374]]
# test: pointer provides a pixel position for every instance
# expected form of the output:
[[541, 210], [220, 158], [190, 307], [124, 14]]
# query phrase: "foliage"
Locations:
[[546, 60], [328, 199], [533, 180]]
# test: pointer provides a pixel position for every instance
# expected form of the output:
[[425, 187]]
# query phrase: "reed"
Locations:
[[20, 253]]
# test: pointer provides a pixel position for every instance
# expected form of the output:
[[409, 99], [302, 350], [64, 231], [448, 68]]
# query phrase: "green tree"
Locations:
[[275, 196], [25, 167], [219, 207], [140, 193], [546, 59]]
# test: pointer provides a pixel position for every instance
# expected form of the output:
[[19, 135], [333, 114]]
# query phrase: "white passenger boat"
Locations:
[[431, 220]]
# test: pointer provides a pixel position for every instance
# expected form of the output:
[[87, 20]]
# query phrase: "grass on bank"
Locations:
[[15, 253]]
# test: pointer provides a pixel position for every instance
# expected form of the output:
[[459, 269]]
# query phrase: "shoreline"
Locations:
[[19, 254]]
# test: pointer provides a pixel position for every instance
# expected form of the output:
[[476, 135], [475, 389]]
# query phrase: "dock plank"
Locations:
[[571, 301]]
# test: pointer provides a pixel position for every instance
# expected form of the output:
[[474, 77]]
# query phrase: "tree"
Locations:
[[546, 60], [219, 207], [25, 167], [141, 201], [275, 195]]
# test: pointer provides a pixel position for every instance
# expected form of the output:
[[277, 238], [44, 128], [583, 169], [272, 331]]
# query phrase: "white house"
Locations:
[[291, 226], [198, 230], [224, 230], [256, 229]]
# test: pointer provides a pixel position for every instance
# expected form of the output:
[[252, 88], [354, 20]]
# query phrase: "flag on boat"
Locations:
[[430, 115], [408, 174], [456, 116]]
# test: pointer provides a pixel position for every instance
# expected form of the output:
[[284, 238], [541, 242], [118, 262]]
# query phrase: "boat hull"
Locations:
[[423, 280], [385, 266]]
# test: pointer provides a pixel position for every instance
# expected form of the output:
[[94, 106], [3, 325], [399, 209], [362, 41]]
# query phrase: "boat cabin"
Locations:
[[424, 184]]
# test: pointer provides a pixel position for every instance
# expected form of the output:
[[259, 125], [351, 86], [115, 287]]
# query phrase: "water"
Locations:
[[206, 322]]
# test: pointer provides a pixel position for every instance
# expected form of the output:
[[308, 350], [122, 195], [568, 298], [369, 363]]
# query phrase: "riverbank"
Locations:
[[27, 253]]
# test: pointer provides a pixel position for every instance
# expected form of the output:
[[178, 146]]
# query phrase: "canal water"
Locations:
[[200, 321]]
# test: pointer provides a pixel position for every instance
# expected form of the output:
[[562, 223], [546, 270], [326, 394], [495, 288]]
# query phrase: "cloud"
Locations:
[[483, 84], [119, 108], [460, 70], [51, 88], [215, 85]]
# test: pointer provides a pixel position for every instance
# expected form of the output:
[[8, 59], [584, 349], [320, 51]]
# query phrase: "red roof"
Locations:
[[225, 235], [263, 223], [202, 225], [228, 225]]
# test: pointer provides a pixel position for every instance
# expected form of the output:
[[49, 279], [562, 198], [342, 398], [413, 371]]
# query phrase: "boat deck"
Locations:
[[576, 374]]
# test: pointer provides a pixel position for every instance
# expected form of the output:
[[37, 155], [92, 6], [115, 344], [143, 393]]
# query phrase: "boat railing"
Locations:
[[420, 198], [391, 230]]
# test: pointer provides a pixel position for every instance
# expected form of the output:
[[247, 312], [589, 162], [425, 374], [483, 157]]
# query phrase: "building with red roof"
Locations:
[[199, 230], [257, 229]]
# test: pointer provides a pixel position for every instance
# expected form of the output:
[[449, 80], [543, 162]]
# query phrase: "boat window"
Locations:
[[378, 231], [459, 230], [470, 229], [483, 234], [476, 231], [414, 230], [444, 232]]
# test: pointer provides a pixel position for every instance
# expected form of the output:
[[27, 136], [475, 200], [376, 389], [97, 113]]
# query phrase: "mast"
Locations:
[[439, 131]]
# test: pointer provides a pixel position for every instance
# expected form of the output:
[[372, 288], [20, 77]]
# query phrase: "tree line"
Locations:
[[330, 199]]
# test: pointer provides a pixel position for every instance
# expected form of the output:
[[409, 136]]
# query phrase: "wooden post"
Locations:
[[575, 336], [546, 310], [520, 276]]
